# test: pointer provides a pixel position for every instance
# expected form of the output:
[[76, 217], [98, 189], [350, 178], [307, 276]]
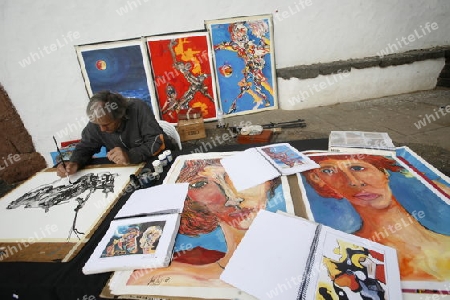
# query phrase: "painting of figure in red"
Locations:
[[182, 72]]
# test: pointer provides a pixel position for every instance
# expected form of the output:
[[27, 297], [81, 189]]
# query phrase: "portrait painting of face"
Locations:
[[385, 200], [214, 220]]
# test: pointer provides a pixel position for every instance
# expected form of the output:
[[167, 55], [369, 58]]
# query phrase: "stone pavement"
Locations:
[[419, 120]]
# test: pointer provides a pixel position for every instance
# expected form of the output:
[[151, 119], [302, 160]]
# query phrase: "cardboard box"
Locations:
[[192, 129]]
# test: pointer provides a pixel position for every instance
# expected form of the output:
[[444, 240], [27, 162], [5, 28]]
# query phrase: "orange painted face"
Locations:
[[213, 188], [358, 181]]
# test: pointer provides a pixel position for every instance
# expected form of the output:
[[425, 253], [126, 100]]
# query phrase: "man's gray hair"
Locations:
[[105, 102]]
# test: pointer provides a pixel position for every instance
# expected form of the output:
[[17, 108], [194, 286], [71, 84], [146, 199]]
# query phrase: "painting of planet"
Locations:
[[121, 67]]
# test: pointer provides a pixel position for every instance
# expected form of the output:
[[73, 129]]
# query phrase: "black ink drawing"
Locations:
[[48, 195]]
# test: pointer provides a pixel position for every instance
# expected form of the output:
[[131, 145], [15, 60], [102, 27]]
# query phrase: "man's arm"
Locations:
[[89, 145], [153, 141]]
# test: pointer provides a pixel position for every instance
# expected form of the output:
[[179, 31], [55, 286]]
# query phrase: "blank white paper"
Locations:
[[271, 258], [248, 169], [163, 198]]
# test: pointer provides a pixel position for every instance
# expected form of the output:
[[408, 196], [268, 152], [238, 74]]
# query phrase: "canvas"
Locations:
[[214, 220], [182, 68], [244, 64], [52, 210], [383, 199], [120, 67]]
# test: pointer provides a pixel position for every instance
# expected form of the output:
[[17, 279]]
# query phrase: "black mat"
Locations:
[[65, 281]]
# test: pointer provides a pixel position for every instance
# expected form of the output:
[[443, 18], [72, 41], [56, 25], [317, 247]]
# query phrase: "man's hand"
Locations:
[[118, 156], [71, 168]]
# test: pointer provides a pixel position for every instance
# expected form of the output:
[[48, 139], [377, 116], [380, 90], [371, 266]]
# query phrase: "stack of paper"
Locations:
[[361, 142]]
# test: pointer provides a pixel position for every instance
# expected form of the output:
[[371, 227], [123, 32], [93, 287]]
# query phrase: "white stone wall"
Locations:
[[49, 92]]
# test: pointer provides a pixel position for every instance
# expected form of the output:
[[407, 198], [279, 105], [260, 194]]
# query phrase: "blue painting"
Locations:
[[120, 67], [244, 64]]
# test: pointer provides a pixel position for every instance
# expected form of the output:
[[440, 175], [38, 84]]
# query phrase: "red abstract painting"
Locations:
[[182, 73]]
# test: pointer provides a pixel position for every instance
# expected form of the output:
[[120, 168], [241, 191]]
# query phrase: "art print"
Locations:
[[380, 198], [120, 67], [184, 79], [284, 156], [214, 220], [351, 271], [130, 239], [244, 64]]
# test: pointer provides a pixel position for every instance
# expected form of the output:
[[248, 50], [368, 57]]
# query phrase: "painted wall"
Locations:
[[40, 71]]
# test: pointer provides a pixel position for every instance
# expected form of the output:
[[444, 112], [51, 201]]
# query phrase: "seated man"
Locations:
[[126, 127]]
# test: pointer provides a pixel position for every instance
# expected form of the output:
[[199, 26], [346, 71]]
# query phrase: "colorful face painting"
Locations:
[[244, 64], [213, 222], [182, 68], [350, 271], [134, 239], [120, 67], [382, 199]]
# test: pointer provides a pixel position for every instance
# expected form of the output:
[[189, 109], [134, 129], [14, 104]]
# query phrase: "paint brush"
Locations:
[[62, 160]]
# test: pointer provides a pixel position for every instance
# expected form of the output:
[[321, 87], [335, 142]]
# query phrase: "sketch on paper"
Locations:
[[380, 198], [120, 67], [142, 238], [350, 271], [244, 64], [182, 68], [214, 220], [47, 196], [73, 208]]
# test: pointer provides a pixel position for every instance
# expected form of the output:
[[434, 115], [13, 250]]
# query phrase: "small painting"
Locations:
[[244, 64], [350, 271], [284, 156], [142, 238]]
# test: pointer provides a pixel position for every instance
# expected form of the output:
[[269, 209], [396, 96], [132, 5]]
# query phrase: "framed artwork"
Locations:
[[121, 67], [384, 199], [213, 222], [182, 69], [55, 211], [243, 58]]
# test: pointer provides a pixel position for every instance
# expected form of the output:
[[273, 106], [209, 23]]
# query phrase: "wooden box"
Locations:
[[262, 138], [192, 129]]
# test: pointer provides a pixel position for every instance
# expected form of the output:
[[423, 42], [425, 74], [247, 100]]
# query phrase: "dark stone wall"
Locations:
[[18, 157], [314, 70]]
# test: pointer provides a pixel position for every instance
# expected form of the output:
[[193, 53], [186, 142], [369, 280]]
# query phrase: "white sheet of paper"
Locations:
[[156, 199], [270, 260], [248, 169]]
